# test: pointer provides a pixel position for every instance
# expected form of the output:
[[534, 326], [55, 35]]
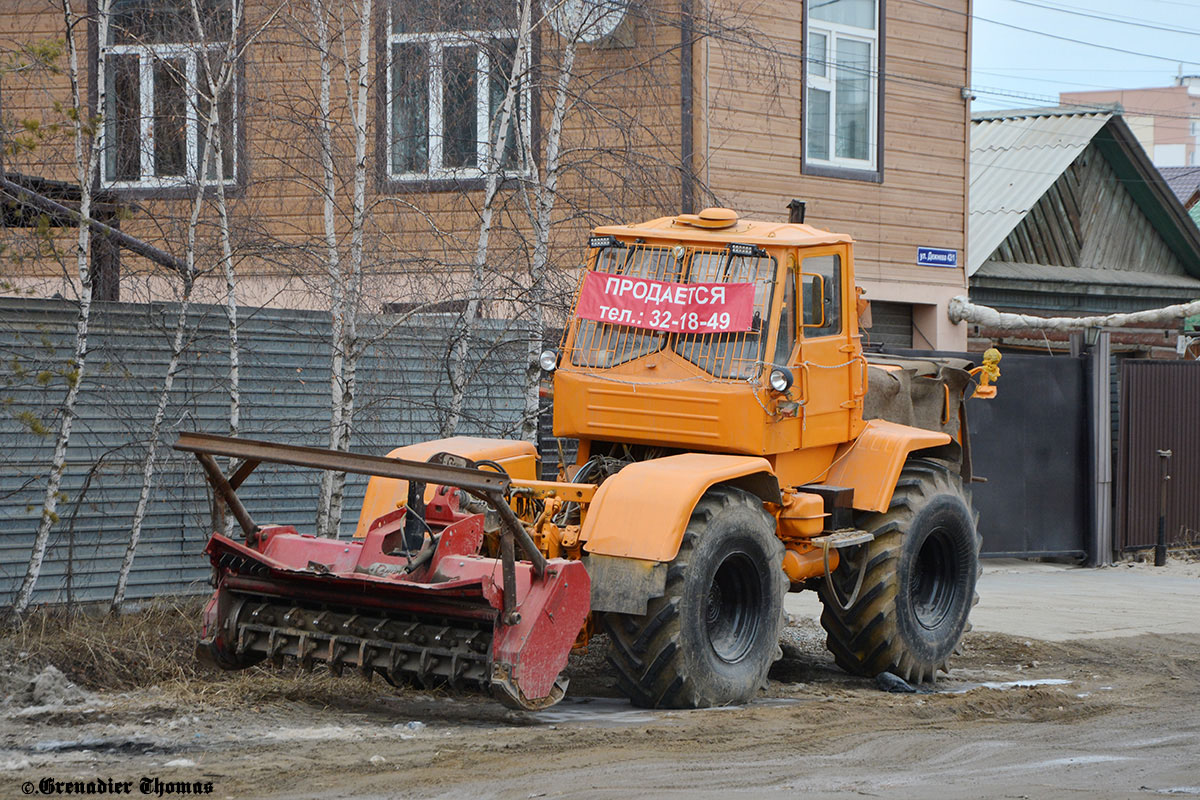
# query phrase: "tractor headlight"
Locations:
[[780, 379], [548, 360]]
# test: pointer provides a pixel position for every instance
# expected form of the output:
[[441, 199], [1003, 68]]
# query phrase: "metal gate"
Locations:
[[1032, 443], [1159, 411], [1031, 450]]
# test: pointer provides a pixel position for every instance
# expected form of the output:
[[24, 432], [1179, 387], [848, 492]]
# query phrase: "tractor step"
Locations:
[[840, 539]]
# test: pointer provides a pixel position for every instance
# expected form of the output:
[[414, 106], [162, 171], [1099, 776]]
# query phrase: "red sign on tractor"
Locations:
[[670, 307]]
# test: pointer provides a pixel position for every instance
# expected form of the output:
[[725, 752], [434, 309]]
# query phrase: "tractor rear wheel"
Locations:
[[919, 581], [710, 639]]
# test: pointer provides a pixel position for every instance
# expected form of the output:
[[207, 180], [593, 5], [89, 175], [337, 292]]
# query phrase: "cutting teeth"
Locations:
[[432, 653]]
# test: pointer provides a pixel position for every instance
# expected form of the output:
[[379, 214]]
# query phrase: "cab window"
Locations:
[[787, 322], [821, 296]]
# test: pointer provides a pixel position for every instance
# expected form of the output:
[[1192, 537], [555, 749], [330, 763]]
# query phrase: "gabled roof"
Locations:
[[1016, 156]]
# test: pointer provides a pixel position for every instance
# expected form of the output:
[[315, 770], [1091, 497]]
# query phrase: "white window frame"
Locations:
[[437, 43], [834, 31], [147, 55]]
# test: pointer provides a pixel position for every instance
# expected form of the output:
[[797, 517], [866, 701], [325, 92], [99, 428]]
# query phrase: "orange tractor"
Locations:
[[729, 452]]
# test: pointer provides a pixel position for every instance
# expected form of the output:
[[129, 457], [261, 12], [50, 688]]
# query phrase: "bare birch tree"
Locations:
[[493, 167], [211, 155], [600, 154], [541, 209], [86, 163], [345, 274]]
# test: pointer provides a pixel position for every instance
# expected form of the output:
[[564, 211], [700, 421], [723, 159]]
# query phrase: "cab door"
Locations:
[[831, 366]]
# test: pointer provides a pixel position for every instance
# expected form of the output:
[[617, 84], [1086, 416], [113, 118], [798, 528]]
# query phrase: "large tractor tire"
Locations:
[[919, 581], [711, 638]]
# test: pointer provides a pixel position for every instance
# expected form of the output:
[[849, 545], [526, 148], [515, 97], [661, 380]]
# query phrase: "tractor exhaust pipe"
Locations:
[[796, 210]]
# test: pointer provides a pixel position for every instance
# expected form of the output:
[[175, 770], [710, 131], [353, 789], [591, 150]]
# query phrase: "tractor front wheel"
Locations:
[[710, 639], [919, 581]]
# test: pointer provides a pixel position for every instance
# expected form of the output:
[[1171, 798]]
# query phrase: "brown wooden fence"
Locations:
[[1160, 410]]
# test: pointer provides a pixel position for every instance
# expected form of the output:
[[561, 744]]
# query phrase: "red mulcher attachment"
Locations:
[[398, 603]]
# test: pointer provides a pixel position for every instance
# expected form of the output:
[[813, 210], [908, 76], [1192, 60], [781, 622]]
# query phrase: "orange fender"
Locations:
[[871, 464], [385, 495], [642, 511]]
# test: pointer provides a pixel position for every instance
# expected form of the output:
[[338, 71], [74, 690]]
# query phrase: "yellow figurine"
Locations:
[[988, 372]]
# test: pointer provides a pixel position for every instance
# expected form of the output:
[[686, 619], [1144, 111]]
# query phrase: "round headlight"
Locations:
[[548, 360], [781, 379]]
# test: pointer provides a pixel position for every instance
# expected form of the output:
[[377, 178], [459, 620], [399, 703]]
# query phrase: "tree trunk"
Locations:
[[215, 89], [963, 310], [160, 411], [352, 299], [87, 162], [337, 302], [459, 369], [546, 193], [212, 138]]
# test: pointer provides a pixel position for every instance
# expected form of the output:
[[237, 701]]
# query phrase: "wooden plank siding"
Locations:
[[922, 198], [622, 150], [621, 162], [1111, 231]]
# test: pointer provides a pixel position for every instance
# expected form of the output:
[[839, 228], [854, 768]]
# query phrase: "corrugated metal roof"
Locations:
[[1015, 157]]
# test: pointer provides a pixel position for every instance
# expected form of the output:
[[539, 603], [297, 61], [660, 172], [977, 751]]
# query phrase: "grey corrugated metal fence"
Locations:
[[285, 396]]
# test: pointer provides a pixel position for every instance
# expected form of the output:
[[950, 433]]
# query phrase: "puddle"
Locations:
[[603, 710], [120, 746], [1025, 684], [610, 711], [1076, 760]]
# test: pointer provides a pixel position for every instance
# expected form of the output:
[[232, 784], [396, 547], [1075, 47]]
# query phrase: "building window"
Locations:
[[449, 67], [842, 85], [157, 100]]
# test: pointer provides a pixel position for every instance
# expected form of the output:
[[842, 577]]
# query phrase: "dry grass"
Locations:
[[98, 650], [263, 685], [154, 648]]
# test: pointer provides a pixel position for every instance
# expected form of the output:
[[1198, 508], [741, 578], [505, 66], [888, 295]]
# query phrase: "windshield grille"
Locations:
[[732, 355]]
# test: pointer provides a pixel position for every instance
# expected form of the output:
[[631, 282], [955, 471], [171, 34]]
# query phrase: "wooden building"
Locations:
[[856, 107], [1070, 218]]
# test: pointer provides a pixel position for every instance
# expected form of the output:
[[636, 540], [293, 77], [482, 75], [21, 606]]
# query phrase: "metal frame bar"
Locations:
[[487, 485], [227, 493], [474, 480]]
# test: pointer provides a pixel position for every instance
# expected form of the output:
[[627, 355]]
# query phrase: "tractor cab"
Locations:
[[710, 332]]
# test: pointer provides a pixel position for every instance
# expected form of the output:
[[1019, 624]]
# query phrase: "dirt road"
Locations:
[[1019, 716]]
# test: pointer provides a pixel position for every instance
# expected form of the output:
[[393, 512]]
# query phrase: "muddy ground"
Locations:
[[1016, 718]]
